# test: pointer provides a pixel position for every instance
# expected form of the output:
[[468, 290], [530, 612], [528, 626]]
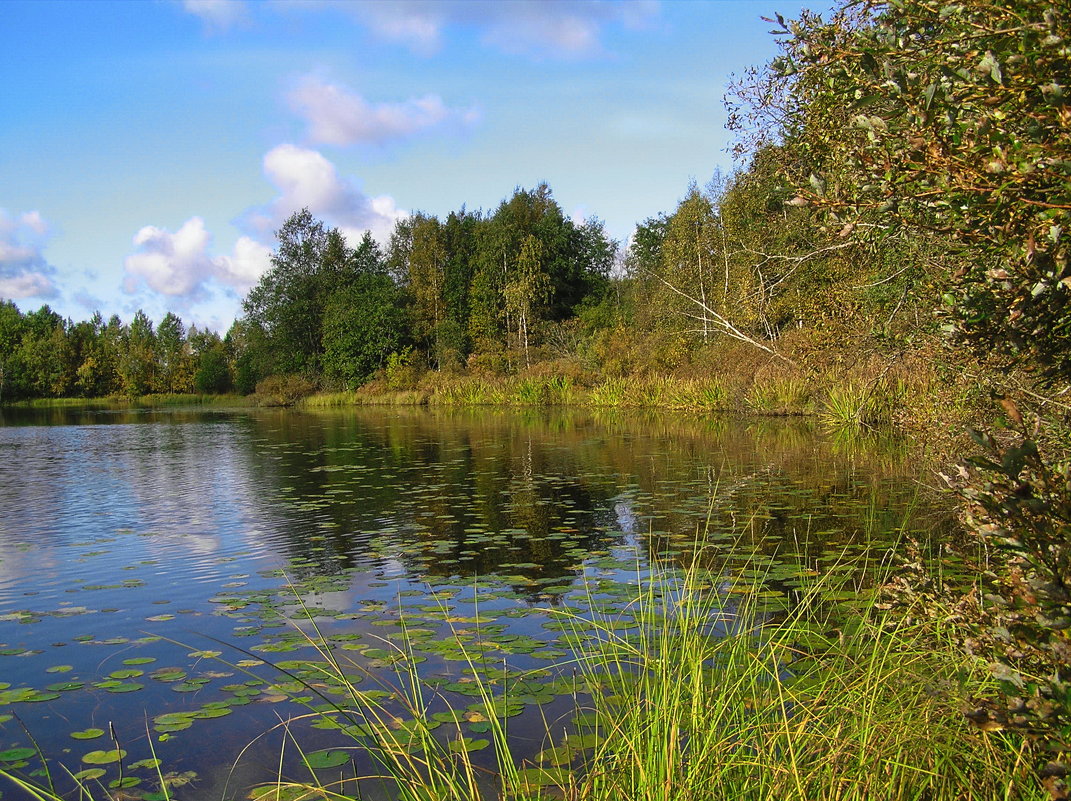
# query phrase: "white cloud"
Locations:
[[243, 269], [218, 15], [305, 179], [569, 28], [556, 28], [171, 263], [179, 264], [337, 116], [24, 272]]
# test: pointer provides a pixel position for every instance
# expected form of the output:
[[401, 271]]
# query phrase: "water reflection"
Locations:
[[120, 527]]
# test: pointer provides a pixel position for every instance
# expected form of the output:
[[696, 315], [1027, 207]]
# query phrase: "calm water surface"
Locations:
[[152, 563]]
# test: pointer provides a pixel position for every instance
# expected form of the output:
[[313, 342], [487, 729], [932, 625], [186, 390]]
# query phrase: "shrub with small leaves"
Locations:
[[1020, 503]]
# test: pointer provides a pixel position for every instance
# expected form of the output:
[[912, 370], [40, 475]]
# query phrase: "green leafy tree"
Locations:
[[948, 118], [137, 363], [426, 278], [459, 235], [288, 302], [576, 261], [363, 324], [174, 371], [527, 291], [366, 319], [248, 354], [209, 361], [45, 355], [12, 327]]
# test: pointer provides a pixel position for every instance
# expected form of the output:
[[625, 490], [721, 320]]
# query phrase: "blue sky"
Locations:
[[149, 148]]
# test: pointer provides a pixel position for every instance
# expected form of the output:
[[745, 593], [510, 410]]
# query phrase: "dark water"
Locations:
[[151, 561]]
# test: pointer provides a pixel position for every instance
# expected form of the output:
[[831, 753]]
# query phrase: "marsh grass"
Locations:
[[330, 400], [854, 404], [610, 392], [155, 400], [709, 701], [779, 396], [708, 395]]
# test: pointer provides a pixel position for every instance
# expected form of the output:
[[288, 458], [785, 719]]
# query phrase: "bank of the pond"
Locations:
[[929, 394], [151, 401], [874, 402]]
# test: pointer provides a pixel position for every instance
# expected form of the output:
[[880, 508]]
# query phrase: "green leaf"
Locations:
[[87, 734], [103, 757], [16, 754], [319, 760]]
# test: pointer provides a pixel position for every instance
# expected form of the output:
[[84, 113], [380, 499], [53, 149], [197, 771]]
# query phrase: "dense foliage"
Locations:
[[44, 356], [952, 118], [951, 122], [477, 288]]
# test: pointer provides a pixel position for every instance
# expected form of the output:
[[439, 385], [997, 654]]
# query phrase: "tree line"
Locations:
[[490, 292], [480, 285], [43, 355]]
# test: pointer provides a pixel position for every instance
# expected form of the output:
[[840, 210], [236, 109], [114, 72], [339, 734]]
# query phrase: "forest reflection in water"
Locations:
[[135, 545]]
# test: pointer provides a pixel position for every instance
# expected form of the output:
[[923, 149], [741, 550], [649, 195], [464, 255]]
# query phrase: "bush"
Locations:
[[1020, 502], [401, 371], [283, 390]]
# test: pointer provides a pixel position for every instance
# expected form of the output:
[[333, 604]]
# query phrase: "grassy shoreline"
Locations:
[[152, 401]]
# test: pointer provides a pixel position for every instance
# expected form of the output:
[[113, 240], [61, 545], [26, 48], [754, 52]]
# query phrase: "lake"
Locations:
[[163, 572]]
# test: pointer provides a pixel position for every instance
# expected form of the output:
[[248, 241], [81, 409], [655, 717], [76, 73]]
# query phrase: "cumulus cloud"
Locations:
[[306, 179], [218, 15], [337, 116], [565, 28], [179, 264], [24, 272], [243, 269]]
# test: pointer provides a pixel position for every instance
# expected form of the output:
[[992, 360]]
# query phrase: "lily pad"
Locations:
[[467, 744], [129, 673], [326, 759], [103, 757], [87, 734], [36, 696], [532, 778], [16, 754]]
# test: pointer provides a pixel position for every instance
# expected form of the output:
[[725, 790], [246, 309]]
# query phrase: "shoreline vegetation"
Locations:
[[894, 248], [872, 397], [712, 693]]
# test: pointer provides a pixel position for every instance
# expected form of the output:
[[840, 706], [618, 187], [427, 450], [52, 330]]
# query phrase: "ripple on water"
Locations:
[[173, 536]]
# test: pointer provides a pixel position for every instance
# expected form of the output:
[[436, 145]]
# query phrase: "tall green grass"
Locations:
[[779, 396], [815, 706], [853, 404]]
